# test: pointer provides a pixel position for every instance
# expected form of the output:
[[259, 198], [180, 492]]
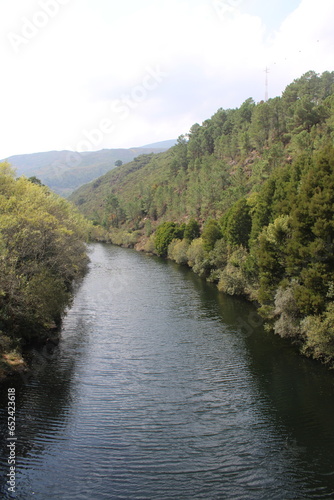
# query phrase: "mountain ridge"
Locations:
[[64, 171]]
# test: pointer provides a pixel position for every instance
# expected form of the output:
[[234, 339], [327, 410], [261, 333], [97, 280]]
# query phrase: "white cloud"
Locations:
[[304, 42], [63, 81]]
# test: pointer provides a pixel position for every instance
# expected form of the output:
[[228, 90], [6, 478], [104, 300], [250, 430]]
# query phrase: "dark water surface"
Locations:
[[162, 388]]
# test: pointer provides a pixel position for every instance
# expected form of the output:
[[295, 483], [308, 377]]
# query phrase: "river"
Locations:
[[163, 388]]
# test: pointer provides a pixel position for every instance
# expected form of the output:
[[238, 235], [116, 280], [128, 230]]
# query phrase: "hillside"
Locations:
[[65, 171], [229, 156], [247, 201]]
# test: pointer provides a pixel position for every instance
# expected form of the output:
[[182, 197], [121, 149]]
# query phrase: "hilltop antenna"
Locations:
[[267, 85]]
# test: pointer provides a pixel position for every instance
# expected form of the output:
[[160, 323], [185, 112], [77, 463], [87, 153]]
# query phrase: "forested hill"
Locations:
[[65, 171], [247, 200], [229, 156]]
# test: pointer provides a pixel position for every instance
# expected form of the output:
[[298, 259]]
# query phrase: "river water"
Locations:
[[163, 388]]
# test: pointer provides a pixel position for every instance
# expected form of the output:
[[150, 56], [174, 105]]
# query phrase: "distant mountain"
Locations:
[[65, 171], [163, 144]]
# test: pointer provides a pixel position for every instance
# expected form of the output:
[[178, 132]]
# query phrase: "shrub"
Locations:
[[219, 254], [234, 279], [164, 235], [286, 309], [318, 331], [177, 251], [149, 245], [192, 230], [197, 257], [211, 233]]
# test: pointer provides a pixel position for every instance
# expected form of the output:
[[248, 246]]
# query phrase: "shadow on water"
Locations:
[[295, 392], [43, 399]]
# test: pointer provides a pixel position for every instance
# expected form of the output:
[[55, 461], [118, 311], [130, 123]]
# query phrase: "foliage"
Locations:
[[192, 230], [233, 278], [211, 233], [237, 224], [196, 256], [164, 235], [41, 254], [177, 251], [286, 313], [258, 181], [319, 334]]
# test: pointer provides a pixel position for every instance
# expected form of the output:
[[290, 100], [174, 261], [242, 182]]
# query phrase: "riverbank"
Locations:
[[234, 271], [42, 255], [11, 363], [16, 359]]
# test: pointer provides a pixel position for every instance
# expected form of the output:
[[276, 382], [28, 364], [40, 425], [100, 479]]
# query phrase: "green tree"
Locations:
[[211, 233], [192, 230], [164, 235], [237, 224], [41, 254]]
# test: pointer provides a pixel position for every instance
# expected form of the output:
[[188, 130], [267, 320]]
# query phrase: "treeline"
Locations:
[[227, 157], [42, 253], [247, 200], [275, 248]]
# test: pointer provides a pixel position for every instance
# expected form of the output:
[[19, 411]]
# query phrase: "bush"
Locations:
[[164, 235], [318, 331], [149, 245], [123, 238], [42, 253], [197, 257], [192, 230], [211, 233], [234, 279], [286, 309], [177, 251], [219, 254]]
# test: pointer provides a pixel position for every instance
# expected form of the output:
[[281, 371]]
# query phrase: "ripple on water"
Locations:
[[155, 393]]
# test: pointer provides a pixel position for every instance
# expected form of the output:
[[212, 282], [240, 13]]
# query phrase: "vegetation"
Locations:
[[65, 171], [247, 201], [42, 253]]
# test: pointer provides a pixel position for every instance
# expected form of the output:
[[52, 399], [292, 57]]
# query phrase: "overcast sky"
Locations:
[[93, 74]]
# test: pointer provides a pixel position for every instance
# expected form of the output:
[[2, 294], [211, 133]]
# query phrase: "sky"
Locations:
[[93, 74]]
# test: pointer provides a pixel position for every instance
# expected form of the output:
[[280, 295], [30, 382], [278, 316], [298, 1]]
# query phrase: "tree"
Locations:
[[165, 233], [118, 163], [192, 230], [211, 233], [35, 180], [238, 224], [41, 254]]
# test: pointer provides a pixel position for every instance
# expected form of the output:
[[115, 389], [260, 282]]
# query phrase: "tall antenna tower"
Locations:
[[267, 84]]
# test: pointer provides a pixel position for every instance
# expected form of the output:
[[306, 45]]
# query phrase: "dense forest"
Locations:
[[42, 254], [247, 200]]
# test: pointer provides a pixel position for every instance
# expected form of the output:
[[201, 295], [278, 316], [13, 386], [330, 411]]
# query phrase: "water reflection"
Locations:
[[44, 399], [296, 393], [163, 388]]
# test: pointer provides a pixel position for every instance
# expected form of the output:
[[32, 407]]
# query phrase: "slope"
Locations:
[[65, 171], [247, 201]]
